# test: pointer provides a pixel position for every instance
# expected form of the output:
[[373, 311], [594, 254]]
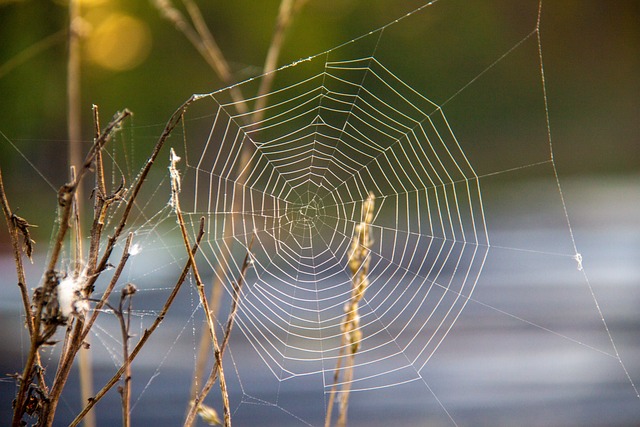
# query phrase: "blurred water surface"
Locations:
[[530, 348]]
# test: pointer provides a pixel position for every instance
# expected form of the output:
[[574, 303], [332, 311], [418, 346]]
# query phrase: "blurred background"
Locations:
[[493, 369]]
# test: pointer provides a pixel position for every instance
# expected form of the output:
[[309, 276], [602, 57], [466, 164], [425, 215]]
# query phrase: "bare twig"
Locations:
[[14, 225], [147, 333], [80, 333], [17, 225], [66, 362], [202, 357], [46, 294], [125, 325], [101, 201], [175, 200], [198, 399], [287, 10], [99, 210], [171, 124], [112, 283], [65, 194], [85, 372]]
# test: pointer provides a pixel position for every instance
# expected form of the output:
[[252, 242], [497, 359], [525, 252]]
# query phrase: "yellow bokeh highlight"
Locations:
[[119, 42], [89, 3]]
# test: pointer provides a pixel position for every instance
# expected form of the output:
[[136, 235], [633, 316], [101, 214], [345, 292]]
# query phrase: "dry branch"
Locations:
[[46, 314], [237, 287], [175, 200], [147, 333]]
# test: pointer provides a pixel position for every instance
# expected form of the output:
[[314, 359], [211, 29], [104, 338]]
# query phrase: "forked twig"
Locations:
[[147, 333], [66, 195], [124, 318], [169, 127]]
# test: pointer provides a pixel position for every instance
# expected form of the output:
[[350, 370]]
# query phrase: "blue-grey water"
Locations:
[[529, 349]]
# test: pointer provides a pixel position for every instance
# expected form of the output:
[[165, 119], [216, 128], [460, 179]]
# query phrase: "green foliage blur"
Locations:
[[591, 48]]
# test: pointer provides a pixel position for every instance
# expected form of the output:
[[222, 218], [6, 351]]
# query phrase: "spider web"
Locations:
[[286, 183], [322, 145]]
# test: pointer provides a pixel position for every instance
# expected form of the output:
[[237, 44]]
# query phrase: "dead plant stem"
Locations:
[[125, 324], [111, 241], [351, 334], [288, 8], [147, 333], [80, 331], [237, 287], [107, 292], [17, 256], [175, 190], [65, 194]]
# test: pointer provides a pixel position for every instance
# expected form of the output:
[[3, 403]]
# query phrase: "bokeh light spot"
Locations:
[[120, 42]]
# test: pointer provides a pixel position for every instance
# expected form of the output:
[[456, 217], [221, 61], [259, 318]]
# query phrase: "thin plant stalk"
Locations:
[[141, 179], [85, 364], [102, 264], [14, 231], [78, 334], [74, 132], [16, 226], [202, 39], [175, 200], [171, 124], [73, 87], [65, 194], [351, 334], [125, 326], [76, 331], [237, 287], [204, 344]]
